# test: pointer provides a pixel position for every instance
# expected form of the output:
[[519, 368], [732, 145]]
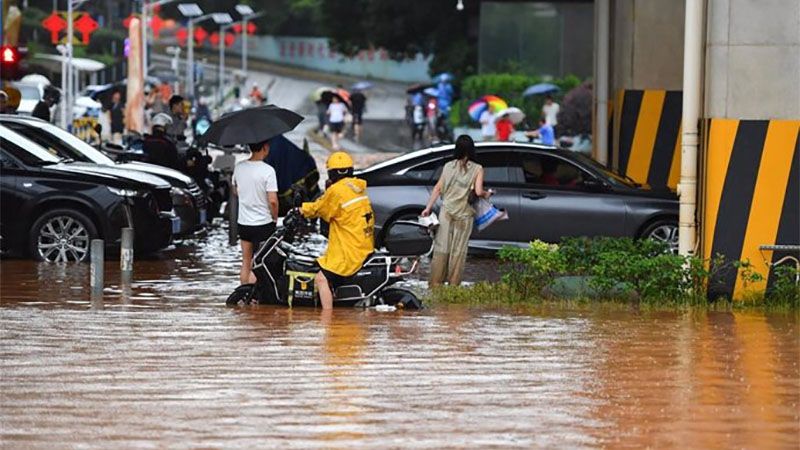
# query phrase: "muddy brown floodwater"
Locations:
[[164, 364]]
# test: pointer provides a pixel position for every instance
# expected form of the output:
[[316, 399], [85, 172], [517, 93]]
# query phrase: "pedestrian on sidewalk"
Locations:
[[336, 113], [460, 178], [256, 186], [117, 117], [487, 125], [418, 125], [545, 133], [550, 111], [504, 128], [358, 101]]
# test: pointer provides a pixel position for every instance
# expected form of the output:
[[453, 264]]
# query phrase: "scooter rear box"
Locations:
[[407, 239]]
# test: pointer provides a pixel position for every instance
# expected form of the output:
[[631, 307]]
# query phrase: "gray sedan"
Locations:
[[549, 195]]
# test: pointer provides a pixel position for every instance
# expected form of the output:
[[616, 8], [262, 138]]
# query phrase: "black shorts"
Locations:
[[335, 280], [337, 127], [256, 233], [358, 117]]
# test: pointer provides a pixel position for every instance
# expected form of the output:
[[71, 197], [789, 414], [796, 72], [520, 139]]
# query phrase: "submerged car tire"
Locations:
[[401, 298], [666, 231], [62, 235], [242, 295]]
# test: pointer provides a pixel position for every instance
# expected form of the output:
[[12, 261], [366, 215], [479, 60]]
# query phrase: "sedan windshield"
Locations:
[[26, 150], [60, 142], [612, 175]]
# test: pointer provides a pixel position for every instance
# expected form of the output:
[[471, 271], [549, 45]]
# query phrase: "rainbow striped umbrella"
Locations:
[[492, 102]]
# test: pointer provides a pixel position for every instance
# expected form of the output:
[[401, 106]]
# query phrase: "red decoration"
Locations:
[[127, 21], [214, 39], [156, 24], [251, 28], [237, 27], [200, 35], [181, 35], [229, 39], [54, 23], [86, 26]]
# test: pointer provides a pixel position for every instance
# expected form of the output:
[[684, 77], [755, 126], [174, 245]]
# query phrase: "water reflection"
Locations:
[[162, 363]]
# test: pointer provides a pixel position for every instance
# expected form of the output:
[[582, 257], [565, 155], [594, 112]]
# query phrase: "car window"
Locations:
[[31, 154], [495, 167], [427, 171], [6, 161], [29, 92], [60, 142], [545, 170]]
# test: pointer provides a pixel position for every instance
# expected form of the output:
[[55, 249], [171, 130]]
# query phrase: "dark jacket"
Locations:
[[41, 111], [117, 118], [161, 150]]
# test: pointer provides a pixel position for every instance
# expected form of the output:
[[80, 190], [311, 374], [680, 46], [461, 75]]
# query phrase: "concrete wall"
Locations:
[[753, 59], [647, 44]]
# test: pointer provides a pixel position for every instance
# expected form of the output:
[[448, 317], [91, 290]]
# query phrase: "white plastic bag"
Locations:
[[487, 214], [431, 221]]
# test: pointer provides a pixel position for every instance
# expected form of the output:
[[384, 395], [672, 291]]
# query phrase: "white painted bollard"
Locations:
[[96, 266], [126, 251]]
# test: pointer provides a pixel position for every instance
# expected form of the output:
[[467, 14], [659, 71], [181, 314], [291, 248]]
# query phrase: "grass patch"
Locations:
[[620, 271]]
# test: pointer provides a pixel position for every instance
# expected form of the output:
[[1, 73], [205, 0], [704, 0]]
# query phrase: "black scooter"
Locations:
[[285, 266]]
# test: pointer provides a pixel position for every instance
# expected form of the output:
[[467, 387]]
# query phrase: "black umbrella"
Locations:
[[252, 125], [417, 88]]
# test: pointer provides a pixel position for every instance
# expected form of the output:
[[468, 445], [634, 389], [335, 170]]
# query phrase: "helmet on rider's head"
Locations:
[[339, 160], [339, 165], [161, 120]]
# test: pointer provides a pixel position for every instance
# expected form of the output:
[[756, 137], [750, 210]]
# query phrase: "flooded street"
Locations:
[[164, 364]]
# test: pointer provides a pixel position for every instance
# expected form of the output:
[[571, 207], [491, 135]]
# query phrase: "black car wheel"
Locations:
[[62, 235], [665, 231]]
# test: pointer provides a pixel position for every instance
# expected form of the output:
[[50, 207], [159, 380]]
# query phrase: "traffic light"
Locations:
[[9, 62]]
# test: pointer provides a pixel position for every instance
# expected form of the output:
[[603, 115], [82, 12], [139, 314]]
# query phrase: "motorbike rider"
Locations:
[[346, 207], [177, 129], [158, 147]]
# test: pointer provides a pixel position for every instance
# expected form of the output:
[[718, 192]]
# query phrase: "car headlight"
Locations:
[[123, 192], [180, 197]]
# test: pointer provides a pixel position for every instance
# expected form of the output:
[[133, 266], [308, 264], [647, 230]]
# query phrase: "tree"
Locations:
[[430, 27]]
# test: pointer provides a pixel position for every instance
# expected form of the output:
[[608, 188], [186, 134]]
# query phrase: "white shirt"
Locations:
[[253, 179], [487, 123], [551, 113], [336, 112]]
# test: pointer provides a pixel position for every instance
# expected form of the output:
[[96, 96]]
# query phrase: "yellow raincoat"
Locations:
[[346, 207]]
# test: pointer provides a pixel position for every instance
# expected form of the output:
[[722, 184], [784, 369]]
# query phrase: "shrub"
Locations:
[[530, 269]]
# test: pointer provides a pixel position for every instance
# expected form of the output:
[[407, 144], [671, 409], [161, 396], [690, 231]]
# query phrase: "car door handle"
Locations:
[[534, 195]]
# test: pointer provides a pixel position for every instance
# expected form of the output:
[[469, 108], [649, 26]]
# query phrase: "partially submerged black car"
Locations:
[[188, 199], [52, 208], [549, 194]]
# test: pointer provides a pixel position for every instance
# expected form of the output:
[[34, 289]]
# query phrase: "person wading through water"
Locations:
[[346, 207], [460, 177]]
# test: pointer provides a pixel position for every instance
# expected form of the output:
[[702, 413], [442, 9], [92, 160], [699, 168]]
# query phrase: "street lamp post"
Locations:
[[247, 13], [193, 12]]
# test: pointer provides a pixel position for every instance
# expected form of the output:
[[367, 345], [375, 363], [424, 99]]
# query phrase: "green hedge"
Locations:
[[509, 87]]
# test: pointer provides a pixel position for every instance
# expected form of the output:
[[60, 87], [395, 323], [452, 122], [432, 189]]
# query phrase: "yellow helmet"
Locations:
[[339, 160]]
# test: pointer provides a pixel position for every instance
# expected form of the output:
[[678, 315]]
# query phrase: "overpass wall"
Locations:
[[749, 173]]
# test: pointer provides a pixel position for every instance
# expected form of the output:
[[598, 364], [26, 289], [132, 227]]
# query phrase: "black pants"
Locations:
[[256, 233]]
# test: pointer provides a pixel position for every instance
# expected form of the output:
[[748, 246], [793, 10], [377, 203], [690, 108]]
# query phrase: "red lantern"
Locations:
[[237, 27], [54, 23], [200, 35], [156, 24], [181, 35], [156, 9], [229, 39], [251, 28], [86, 26], [214, 39]]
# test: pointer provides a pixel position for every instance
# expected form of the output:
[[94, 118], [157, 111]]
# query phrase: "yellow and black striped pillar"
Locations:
[[647, 134], [751, 196]]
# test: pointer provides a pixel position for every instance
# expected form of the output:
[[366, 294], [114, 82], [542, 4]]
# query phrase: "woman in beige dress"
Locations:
[[459, 178]]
